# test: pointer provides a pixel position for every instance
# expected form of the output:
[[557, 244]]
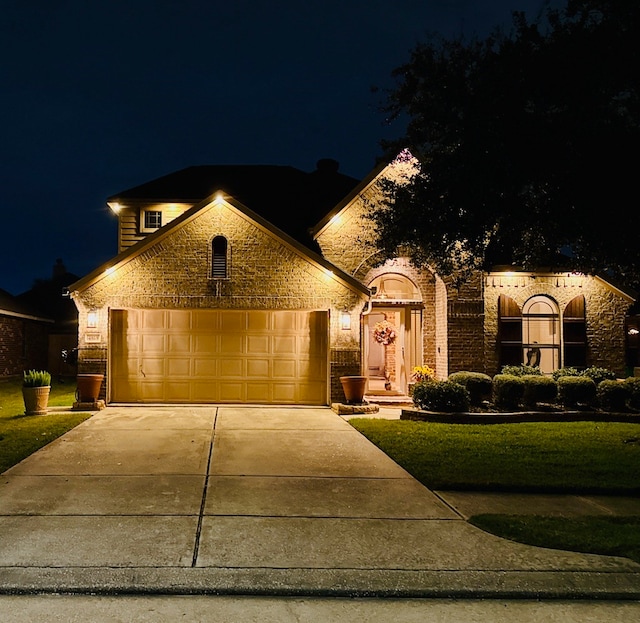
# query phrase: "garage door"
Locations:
[[201, 356]]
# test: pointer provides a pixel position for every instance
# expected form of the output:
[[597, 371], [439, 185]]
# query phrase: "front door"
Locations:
[[388, 358]]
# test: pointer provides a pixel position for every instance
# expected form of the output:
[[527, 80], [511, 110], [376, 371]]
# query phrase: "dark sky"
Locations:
[[98, 96]]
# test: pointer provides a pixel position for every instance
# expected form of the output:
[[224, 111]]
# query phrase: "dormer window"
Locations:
[[219, 258], [151, 220]]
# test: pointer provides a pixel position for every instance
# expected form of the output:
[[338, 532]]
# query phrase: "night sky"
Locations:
[[98, 96]]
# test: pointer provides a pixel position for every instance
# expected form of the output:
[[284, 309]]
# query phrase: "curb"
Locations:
[[538, 585]]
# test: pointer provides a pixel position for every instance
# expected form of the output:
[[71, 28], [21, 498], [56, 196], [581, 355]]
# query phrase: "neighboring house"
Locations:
[[262, 285], [48, 296], [24, 336]]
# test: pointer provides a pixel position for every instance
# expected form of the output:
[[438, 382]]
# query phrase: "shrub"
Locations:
[[478, 385], [521, 370], [612, 395], [36, 378], [599, 374], [633, 387], [557, 374], [443, 396], [508, 390], [576, 390], [539, 389]]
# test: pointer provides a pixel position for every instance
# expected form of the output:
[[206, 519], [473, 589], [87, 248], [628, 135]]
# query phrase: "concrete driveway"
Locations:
[[257, 501]]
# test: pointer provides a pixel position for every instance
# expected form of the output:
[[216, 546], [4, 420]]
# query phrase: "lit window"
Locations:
[[536, 337], [152, 219], [219, 258], [541, 333]]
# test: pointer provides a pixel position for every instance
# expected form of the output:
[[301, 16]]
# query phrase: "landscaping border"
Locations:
[[517, 416]]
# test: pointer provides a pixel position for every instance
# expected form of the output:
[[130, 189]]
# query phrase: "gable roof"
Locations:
[[12, 306], [291, 199], [261, 222]]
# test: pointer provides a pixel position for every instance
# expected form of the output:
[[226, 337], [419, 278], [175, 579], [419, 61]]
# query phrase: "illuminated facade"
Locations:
[[219, 296]]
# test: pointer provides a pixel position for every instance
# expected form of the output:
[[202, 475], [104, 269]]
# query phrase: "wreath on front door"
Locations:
[[384, 332]]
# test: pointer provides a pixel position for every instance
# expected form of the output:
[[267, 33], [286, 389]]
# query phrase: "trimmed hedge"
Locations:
[[508, 391], [633, 387], [539, 389], [478, 385], [445, 396], [576, 390], [612, 395], [565, 388], [521, 370], [599, 374]]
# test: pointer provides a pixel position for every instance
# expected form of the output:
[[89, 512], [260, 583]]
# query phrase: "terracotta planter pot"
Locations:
[[353, 387], [36, 400], [88, 387]]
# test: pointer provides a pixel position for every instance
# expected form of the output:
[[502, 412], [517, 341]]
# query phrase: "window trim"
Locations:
[[144, 228], [528, 320]]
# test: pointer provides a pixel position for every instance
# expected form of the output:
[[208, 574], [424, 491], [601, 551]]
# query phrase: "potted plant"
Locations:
[[88, 387], [353, 387], [36, 386]]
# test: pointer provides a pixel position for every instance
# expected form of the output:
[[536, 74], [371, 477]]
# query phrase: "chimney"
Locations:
[[59, 269]]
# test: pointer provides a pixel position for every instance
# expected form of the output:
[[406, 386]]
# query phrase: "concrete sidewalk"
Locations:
[[258, 501]]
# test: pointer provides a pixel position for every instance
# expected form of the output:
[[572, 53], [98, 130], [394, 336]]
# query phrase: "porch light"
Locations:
[[345, 321], [92, 319]]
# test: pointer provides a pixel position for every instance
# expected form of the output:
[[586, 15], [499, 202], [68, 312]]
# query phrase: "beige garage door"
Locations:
[[201, 356]]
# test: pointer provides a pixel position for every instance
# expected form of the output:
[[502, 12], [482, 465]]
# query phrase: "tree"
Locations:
[[527, 145]]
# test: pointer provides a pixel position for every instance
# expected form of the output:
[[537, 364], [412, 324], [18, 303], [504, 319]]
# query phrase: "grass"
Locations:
[[533, 457], [556, 457], [611, 536], [20, 434]]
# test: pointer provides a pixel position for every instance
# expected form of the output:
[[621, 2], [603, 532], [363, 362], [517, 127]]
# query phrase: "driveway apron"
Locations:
[[256, 500]]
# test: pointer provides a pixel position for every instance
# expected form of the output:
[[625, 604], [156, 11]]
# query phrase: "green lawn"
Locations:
[[558, 457], [595, 457], [20, 434]]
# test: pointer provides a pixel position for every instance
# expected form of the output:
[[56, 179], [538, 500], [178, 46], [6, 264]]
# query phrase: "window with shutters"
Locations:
[[219, 258], [574, 333], [532, 336], [509, 331]]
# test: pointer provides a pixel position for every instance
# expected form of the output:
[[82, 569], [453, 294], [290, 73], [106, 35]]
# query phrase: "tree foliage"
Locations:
[[527, 143]]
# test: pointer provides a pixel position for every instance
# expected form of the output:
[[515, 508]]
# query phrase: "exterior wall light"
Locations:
[[345, 321], [92, 319]]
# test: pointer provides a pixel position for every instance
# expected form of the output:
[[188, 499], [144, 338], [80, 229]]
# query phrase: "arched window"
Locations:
[[541, 333], [219, 263]]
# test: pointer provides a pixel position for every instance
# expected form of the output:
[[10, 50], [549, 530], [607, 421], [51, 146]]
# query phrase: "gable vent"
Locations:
[[219, 258]]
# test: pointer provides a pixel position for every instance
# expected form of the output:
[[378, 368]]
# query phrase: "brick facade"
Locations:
[[605, 307], [459, 322], [172, 272], [23, 345]]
